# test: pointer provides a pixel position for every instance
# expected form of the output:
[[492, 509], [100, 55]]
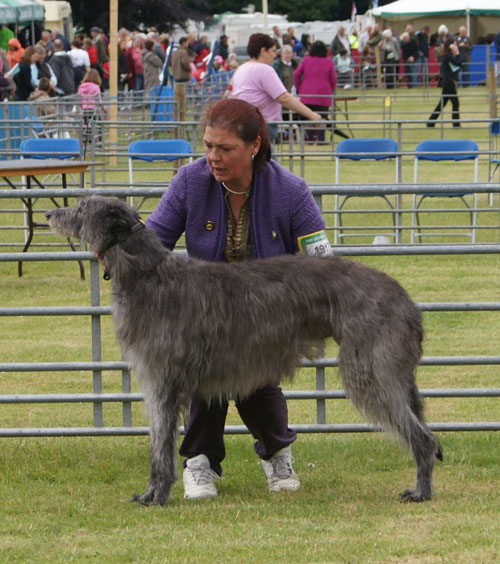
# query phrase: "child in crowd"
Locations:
[[41, 94], [344, 66], [90, 100]]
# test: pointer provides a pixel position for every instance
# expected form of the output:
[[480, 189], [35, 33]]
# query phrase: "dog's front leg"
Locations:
[[163, 452]]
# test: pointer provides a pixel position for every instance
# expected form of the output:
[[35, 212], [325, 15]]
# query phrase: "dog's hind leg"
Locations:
[[423, 445], [164, 414], [385, 393]]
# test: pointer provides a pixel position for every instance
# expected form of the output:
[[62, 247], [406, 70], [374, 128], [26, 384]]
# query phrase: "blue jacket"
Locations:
[[281, 208]]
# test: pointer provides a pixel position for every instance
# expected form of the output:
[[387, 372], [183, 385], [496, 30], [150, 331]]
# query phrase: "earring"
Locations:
[[253, 157]]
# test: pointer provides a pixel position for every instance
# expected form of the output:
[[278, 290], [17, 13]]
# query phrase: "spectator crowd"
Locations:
[[54, 66]]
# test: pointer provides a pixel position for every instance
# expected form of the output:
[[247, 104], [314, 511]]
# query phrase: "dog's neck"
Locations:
[[140, 252], [119, 236]]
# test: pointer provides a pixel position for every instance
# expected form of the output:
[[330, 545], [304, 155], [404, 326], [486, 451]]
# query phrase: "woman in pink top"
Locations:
[[315, 80], [257, 83]]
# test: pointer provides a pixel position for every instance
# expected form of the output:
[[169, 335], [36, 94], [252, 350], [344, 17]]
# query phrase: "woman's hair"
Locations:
[[138, 41], [242, 119], [318, 49], [44, 84], [92, 76], [40, 49], [305, 39], [258, 41], [26, 56], [148, 44], [448, 43], [442, 29]]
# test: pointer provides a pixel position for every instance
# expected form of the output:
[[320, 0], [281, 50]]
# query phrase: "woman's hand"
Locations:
[[294, 104]]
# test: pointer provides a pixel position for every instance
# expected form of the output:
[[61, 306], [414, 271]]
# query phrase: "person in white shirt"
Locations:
[[80, 60], [363, 38], [340, 41], [277, 37]]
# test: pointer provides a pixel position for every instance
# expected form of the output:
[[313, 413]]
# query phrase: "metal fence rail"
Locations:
[[320, 395], [320, 191]]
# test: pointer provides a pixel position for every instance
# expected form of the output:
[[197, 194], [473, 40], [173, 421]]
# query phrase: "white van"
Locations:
[[239, 27]]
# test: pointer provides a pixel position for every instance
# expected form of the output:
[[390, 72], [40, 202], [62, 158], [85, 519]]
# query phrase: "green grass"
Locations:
[[65, 499]]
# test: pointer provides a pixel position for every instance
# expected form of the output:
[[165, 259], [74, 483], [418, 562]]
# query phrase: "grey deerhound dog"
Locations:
[[228, 329]]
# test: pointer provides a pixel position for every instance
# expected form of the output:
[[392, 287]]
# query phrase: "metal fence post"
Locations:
[[321, 402], [96, 340], [126, 405], [399, 215]]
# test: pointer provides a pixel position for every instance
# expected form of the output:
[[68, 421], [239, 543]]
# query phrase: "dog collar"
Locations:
[[120, 236]]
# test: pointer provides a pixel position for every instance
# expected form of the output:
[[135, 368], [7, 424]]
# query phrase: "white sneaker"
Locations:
[[279, 471], [198, 478]]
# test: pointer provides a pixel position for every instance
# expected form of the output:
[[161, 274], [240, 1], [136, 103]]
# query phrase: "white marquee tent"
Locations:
[[481, 17]]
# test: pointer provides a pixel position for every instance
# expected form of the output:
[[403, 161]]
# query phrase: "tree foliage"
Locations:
[[300, 11], [140, 14], [164, 14]]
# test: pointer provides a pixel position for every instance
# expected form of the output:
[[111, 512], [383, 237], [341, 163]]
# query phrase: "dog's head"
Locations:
[[100, 222]]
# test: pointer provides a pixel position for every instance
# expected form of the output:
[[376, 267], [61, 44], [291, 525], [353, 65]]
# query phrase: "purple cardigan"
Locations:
[[281, 209], [315, 75]]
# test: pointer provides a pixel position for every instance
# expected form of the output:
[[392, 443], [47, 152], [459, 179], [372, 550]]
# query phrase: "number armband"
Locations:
[[315, 244]]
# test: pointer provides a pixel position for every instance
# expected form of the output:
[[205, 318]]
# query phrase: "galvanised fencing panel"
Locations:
[[320, 394]]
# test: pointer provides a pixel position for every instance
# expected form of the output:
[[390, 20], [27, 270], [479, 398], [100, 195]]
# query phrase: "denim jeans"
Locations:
[[272, 132], [138, 87], [422, 70], [410, 70]]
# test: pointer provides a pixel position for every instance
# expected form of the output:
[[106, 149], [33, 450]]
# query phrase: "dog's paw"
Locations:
[[413, 496], [149, 498]]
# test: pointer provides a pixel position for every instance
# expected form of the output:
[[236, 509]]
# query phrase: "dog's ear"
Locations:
[[117, 222]]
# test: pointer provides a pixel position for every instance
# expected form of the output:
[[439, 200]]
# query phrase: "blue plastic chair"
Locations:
[[438, 150], [156, 150], [494, 160], [47, 148], [159, 150], [358, 149], [52, 148]]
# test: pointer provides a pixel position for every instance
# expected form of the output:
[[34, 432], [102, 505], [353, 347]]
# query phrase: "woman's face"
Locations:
[[229, 157], [267, 56]]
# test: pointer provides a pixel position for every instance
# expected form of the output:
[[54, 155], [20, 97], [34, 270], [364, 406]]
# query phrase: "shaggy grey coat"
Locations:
[[227, 329]]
